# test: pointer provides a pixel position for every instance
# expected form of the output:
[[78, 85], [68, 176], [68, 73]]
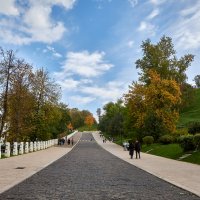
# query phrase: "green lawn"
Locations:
[[195, 158], [173, 151], [191, 113]]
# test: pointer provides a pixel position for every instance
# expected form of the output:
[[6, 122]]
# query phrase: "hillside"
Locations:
[[192, 113]]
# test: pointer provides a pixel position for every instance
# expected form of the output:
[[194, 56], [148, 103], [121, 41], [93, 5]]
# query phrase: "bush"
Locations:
[[197, 141], [187, 142], [181, 131], [194, 127], [166, 139], [148, 140]]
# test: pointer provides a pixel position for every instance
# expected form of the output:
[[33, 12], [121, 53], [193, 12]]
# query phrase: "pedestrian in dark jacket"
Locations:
[[131, 149], [137, 149]]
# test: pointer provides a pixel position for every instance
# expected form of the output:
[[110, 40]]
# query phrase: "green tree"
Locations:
[[113, 118], [77, 119], [162, 58], [197, 80]]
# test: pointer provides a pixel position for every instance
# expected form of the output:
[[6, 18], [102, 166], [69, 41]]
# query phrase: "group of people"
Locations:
[[61, 141], [134, 147]]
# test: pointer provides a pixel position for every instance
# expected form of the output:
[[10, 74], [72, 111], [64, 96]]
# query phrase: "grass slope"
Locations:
[[173, 151], [192, 113]]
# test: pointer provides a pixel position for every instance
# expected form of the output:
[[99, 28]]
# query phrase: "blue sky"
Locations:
[[90, 46]]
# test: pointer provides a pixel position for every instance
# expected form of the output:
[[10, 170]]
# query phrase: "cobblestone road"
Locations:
[[88, 172]]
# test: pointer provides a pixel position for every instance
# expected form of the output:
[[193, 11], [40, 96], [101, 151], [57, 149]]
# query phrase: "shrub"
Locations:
[[181, 131], [194, 127], [187, 142], [197, 141], [148, 140], [166, 139]]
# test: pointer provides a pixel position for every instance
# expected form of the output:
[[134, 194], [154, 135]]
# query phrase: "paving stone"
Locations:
[[89, 172]]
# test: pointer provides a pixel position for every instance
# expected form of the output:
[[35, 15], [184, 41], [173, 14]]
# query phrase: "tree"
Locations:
[[21, 103], [46, 93], [161, 57], [154, 106], [112, 120], [76, 118], [29, 106], [70, 127], [44, 89], [99, 113], [89, 120], [7, 67], [197, 80]]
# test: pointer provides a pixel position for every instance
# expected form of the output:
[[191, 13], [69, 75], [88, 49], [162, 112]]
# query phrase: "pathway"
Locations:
[[89, 172]]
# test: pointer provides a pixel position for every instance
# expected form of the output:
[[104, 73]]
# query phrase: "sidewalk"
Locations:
[[29, 164], [182, 174]]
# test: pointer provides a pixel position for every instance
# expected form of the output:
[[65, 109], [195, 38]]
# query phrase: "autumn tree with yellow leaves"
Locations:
[[70, 127], [89, 120], [154, 107]]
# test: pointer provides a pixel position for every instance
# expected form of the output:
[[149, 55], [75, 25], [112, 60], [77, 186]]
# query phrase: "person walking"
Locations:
[[131, 149], [137, 149]]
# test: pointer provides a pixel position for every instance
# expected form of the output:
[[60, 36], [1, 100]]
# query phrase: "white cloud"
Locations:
[[110, 92], [68, 4], [34, 24], [153, 14], [68, 84], [186, 29], [8, 7], [53, 51], [130, 43], [82, 99], [157, 2], [147, 28], [86, 64], [133, 2]]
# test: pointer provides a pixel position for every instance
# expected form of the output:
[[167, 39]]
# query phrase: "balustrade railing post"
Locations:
[[7, 150], [26, 147], [21, 148], [34, 146], [31, 147], [15, 150], [38, 145]]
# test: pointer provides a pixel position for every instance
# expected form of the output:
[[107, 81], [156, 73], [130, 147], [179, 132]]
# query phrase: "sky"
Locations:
[[89, 47]]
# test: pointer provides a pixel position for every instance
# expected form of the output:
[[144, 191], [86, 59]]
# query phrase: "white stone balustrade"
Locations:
[[42, 144], [31, 147], [26, 147], [38, 146], [21, 148], [15, 150], [35, 146], [7, 150]]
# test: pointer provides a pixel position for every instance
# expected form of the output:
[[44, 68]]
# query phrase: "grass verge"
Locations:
[[172, 151]]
